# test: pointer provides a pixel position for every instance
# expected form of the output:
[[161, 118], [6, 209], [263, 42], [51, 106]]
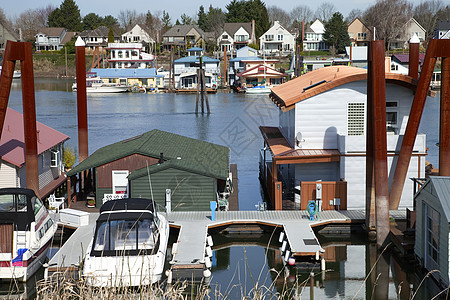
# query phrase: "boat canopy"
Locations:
[[127, 204], [18, 206]]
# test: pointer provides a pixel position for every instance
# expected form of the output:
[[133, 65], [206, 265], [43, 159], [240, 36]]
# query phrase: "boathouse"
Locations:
[[140, 77], [12, 155], [432, 243], [319, 149], [154, 163]]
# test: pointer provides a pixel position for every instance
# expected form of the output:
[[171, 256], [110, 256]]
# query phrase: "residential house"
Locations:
[[321, 138], [314, 37], [154, 163], [133, 77], [97, 38], [235, 36], [185, 69], [7, 33], [129, 55], [277, 39], [400, 63], [183, 36], [411, 28], [432, 240], [12, 155], [442, 30], [50, 39], [261, 74], [359, 33], [140, 33], [245, 57]]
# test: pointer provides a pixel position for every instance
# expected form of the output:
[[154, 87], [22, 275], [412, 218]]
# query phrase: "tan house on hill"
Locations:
[[184, 36], [359, 33], [411, 28], [7, 33]]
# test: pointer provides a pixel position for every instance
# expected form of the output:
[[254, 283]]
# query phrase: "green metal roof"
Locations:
[[178, 151]]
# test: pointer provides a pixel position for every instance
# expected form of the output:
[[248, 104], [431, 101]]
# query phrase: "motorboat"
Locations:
[[16, 75], [129, 245], [96, 85], [26, 233], [258, 89]]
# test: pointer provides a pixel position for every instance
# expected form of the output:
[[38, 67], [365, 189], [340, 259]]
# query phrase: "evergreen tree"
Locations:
[[92, 21], [202, 18], [186, 20], [66, 16], [111, 36], [248, 10], [336, 34], [166, 20]]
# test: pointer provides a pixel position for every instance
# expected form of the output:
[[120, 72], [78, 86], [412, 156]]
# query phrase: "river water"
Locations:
[[233, 122]]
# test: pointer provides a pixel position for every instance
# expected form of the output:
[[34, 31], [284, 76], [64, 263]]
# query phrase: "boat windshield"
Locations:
[[120, 235], [13, 203]]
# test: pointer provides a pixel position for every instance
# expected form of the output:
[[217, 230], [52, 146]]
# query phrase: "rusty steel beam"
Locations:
[[413, 126], [370, 183], [6, 81], [378, 79], [444, 126], [29, 119], [83, 147], [414, 59]]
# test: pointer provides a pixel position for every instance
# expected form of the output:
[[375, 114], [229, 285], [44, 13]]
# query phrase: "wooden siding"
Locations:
[[6, 238], [130, 163], [8, 175], [190, 192], [330, 191], [46, 173]]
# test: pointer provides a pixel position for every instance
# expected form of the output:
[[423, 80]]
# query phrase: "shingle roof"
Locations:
[[404, 58], [67, 37], [101, 31], [12, 143], [443, 25], [199, 156], [231, 28], [441, 185], [291, 92], [52, 31], [182, 30]]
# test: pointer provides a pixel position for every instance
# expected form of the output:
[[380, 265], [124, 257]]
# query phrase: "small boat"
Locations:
[[96, 85], [129, 245], [258, 89], [26, 232], [16, 75]]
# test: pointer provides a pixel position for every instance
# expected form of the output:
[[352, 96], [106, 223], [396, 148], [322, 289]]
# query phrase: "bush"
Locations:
[[69, 157]]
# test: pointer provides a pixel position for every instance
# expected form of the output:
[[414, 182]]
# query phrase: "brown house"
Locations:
[[359, 33]]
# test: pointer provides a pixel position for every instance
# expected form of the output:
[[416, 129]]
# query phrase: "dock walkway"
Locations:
[[191, 243]]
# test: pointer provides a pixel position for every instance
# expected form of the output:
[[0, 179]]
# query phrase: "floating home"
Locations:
[[193, 172], [140, 77], [321, 144], [432, 243], [12, 155]]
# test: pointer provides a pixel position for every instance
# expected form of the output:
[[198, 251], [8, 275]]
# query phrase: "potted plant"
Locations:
[[69, 157]]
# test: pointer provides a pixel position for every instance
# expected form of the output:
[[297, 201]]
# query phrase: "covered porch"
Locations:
[[283, 190]]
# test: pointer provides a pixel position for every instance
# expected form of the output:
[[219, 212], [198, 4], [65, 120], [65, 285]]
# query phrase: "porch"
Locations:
[[284, 191]]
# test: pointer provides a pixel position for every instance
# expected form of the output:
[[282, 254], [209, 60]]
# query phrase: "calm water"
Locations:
[[233, 122]]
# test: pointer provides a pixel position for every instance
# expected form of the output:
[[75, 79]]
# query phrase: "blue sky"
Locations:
[[174, 7]]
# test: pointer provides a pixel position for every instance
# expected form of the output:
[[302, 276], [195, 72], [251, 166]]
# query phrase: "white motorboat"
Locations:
[[129, 245], [258, 89], [26, 232], [16, 75], [96, 85]]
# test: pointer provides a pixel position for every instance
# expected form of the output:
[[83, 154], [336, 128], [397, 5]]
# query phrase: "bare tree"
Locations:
[[153, 21], [32, 20], [300, 13], [278, 14], [426, 13], [128, 18], [388, 17], [353, 14], [325, 11]]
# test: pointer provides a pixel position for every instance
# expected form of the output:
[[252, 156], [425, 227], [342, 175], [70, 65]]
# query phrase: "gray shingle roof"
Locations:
[[182, 30], [231, 28], [441, 185], [179, 151]]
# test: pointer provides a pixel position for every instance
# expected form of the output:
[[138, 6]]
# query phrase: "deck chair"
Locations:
[[56, 202]]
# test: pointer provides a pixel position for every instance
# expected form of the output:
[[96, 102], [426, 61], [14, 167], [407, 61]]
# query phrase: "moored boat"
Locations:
[[26, 232], [129, 244], [96, 85], [258, 89]]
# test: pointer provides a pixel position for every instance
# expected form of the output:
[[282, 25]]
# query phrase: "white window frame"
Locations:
[[54, 158]]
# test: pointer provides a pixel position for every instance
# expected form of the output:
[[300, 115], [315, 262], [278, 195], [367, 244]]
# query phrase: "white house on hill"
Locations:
[[277, 39]]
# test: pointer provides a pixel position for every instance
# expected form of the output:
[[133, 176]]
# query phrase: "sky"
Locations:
[[175, 8]]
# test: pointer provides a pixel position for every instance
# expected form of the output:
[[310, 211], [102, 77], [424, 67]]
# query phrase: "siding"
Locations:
[[8, 175], [190, 192]]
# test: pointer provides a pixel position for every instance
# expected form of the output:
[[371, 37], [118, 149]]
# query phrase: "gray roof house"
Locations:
[[7, 33], [235, 36], [97, 37], [432, 243], [442, 30], [50, 39], [184, 36]]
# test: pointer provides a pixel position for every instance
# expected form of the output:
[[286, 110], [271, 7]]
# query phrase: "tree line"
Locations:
[[387, 16]]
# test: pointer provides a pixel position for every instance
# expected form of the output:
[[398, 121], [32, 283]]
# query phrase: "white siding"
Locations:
[[287, 121], [8, 175]]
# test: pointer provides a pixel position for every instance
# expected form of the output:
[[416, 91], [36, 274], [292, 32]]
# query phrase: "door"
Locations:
[[6, 238], [120, 182]]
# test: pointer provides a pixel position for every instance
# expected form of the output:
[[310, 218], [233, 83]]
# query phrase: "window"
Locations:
[[170, 38], [224, 36], [350, 34], [355, 118], [280, 37], [362, 35], [268, 37], [391, 117], [394, 67], [241, 38], [54, 158], [136, 38], [431, 237]]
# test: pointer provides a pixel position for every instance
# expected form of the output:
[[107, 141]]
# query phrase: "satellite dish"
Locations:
[[299, 137]]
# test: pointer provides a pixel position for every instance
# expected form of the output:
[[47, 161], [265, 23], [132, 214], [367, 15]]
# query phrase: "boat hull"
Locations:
[[258, 90]]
